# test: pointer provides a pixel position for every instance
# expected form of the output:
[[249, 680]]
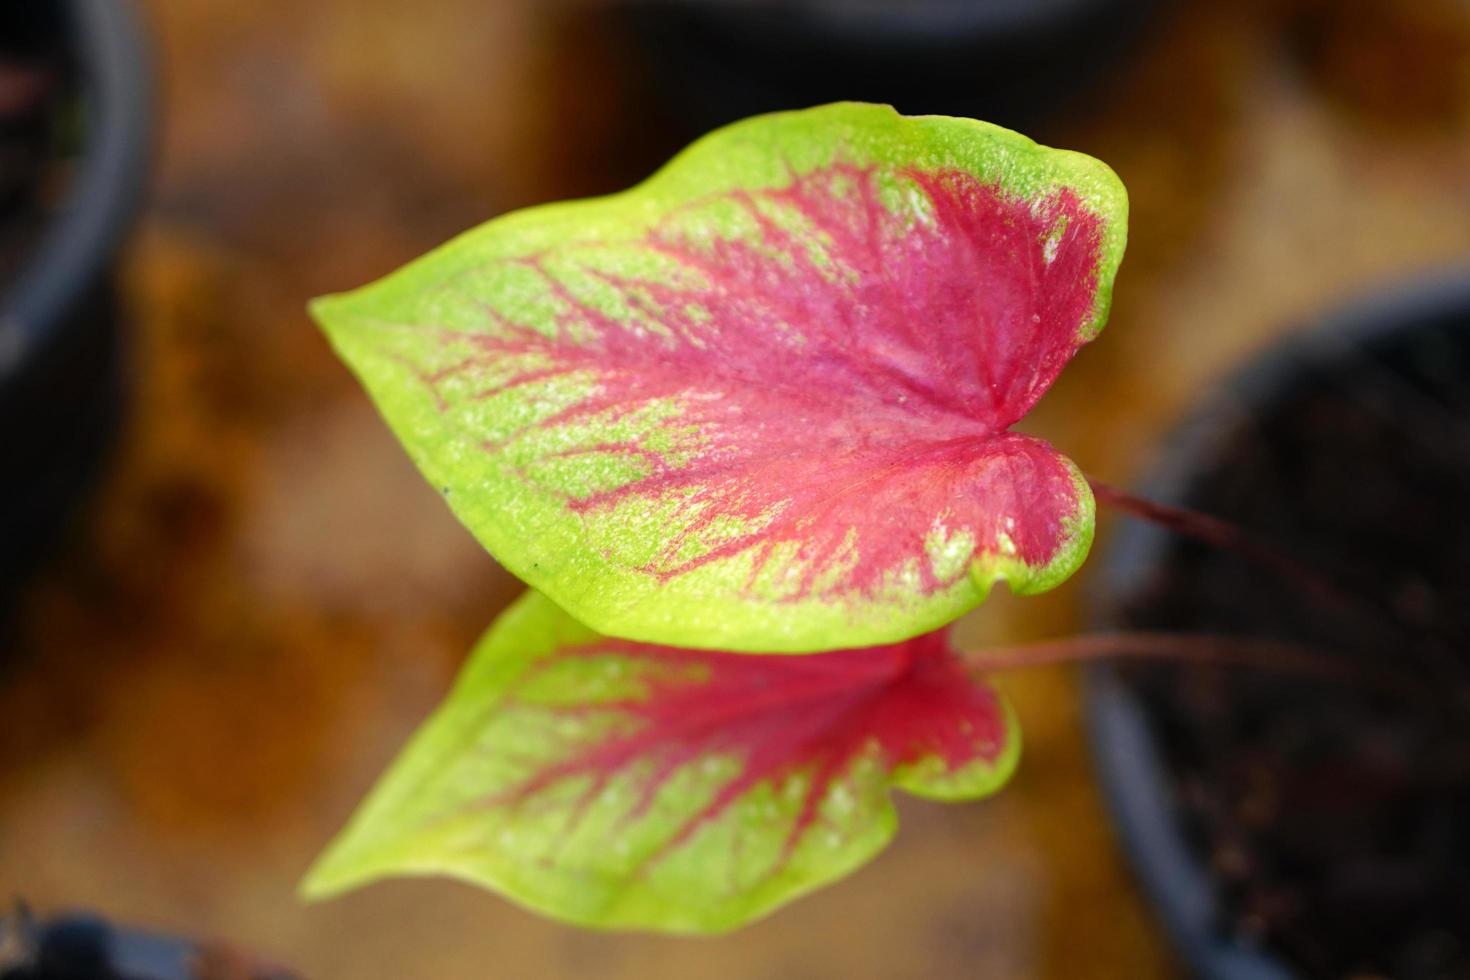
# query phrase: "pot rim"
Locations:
[[105, 194], [1127, 764], [956, 24]]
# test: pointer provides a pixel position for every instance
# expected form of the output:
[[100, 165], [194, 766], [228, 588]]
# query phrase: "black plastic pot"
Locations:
[[1416, 345], [61, 378], [715, 61], [84, 946]]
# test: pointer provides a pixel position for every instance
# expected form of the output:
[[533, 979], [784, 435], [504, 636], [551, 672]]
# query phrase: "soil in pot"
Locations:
[[1334, 817], [34, 87]]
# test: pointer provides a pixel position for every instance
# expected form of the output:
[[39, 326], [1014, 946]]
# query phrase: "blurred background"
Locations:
[[253, 598]]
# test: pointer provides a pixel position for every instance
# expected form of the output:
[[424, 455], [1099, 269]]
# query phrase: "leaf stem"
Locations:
[[1441, 656], [1197, 648], [1227, 537]]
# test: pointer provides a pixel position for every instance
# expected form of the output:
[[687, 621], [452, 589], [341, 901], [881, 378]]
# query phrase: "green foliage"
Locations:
[[618, 785], [594, 385]]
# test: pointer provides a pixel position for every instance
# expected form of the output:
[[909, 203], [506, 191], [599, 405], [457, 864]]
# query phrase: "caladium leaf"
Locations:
[[763, 400], [621, 785]]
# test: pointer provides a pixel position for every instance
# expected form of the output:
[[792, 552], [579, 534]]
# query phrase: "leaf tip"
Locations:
[[318, 885], [327, 310], [331, 875]]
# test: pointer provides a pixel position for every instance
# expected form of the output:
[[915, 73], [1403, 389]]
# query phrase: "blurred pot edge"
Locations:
[[76, 944], [108, 188], [57, 319], [712, 63]]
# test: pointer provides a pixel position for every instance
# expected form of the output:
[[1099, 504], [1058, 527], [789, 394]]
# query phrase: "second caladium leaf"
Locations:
[[618, 784], [763, 401]]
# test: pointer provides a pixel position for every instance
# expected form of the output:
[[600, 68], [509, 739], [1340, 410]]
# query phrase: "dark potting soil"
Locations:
[[34, 102], [1334, 816]]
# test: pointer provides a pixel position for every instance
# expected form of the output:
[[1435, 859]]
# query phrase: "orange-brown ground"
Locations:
[[264, 598]]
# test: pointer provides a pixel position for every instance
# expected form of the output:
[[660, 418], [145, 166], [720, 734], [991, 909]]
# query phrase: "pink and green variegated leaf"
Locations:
[[620, 785], [763, 401]]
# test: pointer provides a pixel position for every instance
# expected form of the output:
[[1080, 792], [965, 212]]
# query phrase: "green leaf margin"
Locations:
[[387, 836], [541, 541]]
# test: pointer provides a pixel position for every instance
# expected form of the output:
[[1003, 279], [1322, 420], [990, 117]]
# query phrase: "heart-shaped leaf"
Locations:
[[615, 784], [763, 400]]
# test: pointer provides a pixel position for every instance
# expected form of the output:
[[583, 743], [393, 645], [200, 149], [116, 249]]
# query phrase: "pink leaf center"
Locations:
[[777, 717], [844, 371]]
